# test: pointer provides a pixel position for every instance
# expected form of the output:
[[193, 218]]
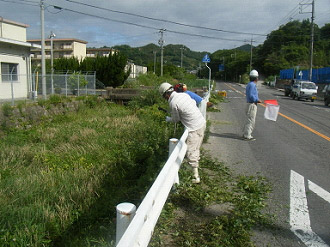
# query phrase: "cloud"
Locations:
[[239, 18]]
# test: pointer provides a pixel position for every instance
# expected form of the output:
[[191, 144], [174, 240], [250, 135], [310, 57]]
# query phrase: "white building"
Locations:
[[103, 52], [136, 70], [15, 61], [62, 48]]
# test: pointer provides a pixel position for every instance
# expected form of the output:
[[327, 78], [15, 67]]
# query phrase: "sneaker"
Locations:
[[196, 180]]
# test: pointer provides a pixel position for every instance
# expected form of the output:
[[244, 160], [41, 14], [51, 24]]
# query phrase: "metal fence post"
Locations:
[[66, 84], [125, 214], [78, 84], [12, 87], [94, 82], [172, 144]]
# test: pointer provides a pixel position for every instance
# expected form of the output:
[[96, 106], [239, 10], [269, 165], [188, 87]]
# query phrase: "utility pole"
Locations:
[[161, 43], [312, 37], [251, 54], [223, 63], [43, 61], [231, 55], [312, 44], [182, 48], [52, 36], [154, 61]]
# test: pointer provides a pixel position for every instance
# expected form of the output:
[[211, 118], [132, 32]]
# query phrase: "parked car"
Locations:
[[304, 90], [326, 92]]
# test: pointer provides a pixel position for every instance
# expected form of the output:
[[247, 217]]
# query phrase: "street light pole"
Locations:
[[43, 61], [51, 36]]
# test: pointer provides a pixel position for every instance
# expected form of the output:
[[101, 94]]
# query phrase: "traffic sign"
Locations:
[[206, 59], [221, 67]]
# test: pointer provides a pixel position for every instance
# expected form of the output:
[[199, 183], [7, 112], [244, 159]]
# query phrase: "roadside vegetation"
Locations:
[[61, 179], [62, 176]]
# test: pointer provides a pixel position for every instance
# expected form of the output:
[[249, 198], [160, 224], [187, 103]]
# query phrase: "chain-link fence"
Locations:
[[64, 84]]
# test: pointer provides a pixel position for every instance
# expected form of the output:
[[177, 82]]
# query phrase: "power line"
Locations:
[[144, 26], [31, 3], [129, 23], [167, 21]]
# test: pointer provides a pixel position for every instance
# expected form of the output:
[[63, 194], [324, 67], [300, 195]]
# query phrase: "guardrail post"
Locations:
[[172, 144], [125, 214]]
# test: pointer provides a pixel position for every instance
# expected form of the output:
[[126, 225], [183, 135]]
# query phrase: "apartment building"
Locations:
[[15, 61], [94, 52], [62, 48]]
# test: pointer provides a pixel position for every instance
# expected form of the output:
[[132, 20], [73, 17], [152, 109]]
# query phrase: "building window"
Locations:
[[9, 71]]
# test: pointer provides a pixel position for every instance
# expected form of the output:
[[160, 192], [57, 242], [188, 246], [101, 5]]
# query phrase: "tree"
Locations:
[[111, 70]]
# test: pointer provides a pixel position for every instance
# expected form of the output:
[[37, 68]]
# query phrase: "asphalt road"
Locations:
[[293, 153]]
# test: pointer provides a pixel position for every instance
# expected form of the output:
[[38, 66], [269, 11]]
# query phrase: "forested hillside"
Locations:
[[289, 46], [172, 55], [286, 47]]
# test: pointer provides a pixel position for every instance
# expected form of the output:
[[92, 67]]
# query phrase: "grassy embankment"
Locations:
[[60, 180]]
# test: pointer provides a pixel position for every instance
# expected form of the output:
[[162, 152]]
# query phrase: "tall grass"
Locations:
[[59, 179]]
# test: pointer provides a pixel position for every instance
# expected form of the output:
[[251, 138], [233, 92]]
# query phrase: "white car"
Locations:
[[304, 90]]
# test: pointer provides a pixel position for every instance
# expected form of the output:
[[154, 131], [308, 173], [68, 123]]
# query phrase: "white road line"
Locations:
[[324, 109], [319, 191], [299, 214]]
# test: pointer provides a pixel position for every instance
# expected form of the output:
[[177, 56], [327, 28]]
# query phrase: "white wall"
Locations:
[[136, 70], [21, 85], [79, 50], [14, 32]]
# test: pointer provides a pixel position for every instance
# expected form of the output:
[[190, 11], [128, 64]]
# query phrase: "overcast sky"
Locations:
[[200, 25]]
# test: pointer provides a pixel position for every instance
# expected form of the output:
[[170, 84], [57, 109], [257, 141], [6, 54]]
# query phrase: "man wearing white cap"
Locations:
[[252, 99], [183, 108]]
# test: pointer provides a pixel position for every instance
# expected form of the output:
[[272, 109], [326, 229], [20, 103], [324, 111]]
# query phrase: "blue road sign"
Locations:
[[206, 59], [221, 67]]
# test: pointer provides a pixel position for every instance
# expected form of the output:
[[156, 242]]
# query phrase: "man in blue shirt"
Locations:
[[252, 100]]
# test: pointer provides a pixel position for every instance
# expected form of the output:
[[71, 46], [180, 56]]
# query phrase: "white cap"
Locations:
[[254, 73]]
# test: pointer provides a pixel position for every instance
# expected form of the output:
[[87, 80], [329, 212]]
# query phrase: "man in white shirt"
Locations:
[[183, 108]]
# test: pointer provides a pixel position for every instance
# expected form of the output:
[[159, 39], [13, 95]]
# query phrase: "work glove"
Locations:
[[168, 119]]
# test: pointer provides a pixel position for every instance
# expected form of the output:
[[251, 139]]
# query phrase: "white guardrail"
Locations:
[[142, 223]]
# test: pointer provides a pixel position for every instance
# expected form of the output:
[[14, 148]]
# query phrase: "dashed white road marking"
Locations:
[[299, 214], [319, 191], [322, 108]]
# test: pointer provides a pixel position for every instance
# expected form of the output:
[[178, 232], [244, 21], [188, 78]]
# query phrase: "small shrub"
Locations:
[[7, 109], [55, 99], [147, 98]]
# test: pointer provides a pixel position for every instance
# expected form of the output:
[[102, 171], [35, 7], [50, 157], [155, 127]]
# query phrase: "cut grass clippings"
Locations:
[[220, 211]]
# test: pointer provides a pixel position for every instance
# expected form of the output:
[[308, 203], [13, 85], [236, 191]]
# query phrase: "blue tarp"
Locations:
[[318, 75], [287, 74]]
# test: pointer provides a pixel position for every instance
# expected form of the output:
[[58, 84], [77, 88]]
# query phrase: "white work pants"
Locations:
[[251, 113], [194, 142]]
